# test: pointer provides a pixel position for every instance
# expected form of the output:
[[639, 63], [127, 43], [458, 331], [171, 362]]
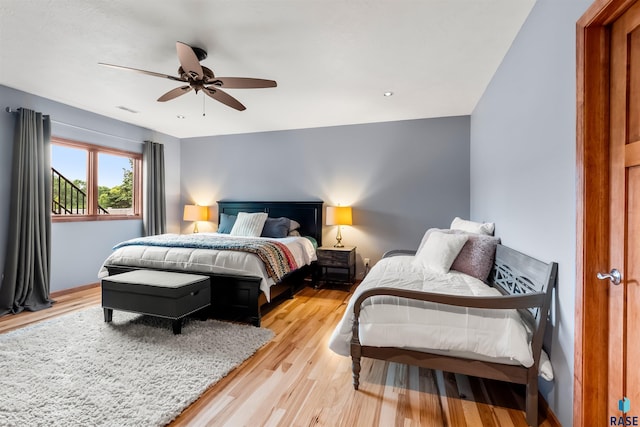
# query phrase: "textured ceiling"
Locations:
[[333, 60]]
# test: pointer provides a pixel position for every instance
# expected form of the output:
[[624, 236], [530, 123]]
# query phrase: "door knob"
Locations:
[[614, 276]]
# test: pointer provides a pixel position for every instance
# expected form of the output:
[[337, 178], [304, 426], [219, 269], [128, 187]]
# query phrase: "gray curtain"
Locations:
[[27, 266], [154, 207]]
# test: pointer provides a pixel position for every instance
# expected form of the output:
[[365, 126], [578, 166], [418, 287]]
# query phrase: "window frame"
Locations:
[[92, 182]]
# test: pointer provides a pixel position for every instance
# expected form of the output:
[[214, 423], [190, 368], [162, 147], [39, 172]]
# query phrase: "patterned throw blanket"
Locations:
[[277, 258]]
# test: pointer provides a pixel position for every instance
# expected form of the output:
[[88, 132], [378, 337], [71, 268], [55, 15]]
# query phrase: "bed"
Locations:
[[453, 322], [241, 283]]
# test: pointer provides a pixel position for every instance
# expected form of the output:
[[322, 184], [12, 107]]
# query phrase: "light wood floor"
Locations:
[[295, 380]]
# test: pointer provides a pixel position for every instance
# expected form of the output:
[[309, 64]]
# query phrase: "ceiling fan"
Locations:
[[200, 78]]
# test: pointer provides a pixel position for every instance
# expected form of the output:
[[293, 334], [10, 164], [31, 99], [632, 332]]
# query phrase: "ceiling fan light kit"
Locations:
[[200, 78]]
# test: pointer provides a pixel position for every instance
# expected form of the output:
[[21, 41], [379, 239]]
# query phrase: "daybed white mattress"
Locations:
[[496, 335], [209, 260]]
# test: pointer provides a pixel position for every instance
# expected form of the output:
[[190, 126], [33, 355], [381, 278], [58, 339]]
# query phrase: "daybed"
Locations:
[[447, 320], [241, 283]]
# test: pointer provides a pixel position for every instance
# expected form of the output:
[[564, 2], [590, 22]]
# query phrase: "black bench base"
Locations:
[[156, 293], [176, 324]]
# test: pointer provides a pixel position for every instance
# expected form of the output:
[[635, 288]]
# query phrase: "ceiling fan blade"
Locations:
[[174, 93], [224, 97], [189, 61], [150, 73], [244, 83]]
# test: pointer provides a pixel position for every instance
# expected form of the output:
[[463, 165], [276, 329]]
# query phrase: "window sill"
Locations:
[[86, 218]]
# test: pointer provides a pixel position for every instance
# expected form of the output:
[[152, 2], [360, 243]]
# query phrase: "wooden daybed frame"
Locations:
[[239, 297], [526, 284]]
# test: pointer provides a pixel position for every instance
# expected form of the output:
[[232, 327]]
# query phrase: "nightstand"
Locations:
[[337, 265]]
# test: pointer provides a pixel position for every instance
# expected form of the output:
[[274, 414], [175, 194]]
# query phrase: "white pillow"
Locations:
[[428, 233], [473, 227], [439, 251], [249, 224]]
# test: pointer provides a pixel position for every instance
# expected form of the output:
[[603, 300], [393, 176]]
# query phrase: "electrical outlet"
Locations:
[[366, 262]]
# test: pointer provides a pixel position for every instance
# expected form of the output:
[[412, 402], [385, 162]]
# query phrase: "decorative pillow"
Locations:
[[439, 251], [295, 233], [294, 225], [276, 227], [428, 233], [477, 255], [226, 223], [249, 224], [472, 226]]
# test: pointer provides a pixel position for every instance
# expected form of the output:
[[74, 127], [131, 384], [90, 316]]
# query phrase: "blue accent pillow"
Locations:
[[226, 223], [276, 227]]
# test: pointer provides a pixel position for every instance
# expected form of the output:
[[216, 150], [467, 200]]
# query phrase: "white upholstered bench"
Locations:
[[156, 293]]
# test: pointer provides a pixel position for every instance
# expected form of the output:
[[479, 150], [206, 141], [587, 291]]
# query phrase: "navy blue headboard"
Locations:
[[308, 213]]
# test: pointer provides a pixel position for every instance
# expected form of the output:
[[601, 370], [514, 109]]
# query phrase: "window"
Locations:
[[89, 182]]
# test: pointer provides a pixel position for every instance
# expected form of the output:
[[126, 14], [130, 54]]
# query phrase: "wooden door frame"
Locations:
[[592, 217]]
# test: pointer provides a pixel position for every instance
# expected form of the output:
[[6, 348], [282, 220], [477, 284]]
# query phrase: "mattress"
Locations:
[[198, 260], [385, 321]]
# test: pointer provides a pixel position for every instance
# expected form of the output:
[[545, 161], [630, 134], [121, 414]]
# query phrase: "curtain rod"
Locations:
[[10, 110], [17, 110]]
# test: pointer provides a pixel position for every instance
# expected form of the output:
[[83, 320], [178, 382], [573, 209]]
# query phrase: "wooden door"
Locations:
[[607, 350], [624, 249]]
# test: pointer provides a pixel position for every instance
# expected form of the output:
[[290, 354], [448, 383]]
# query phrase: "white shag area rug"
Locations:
[[77, 370]]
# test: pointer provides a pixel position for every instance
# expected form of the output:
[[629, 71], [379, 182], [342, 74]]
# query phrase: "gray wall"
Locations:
[[400, 177], [523, 165], [79, 248]]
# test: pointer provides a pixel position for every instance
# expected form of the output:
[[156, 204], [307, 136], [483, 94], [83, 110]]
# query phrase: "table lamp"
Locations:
[[339, 215], [195, 213]]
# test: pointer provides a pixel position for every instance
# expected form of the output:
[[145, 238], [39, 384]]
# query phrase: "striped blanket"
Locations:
[[277, 258]]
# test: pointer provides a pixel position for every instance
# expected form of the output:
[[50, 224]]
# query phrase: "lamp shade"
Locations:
[[195, 213], [339, 215]]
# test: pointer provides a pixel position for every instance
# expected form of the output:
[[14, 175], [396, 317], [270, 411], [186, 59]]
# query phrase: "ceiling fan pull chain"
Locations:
[[203, 113]]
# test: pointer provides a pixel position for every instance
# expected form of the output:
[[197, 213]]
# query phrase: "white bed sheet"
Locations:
[[497, 335], [209, 260]]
